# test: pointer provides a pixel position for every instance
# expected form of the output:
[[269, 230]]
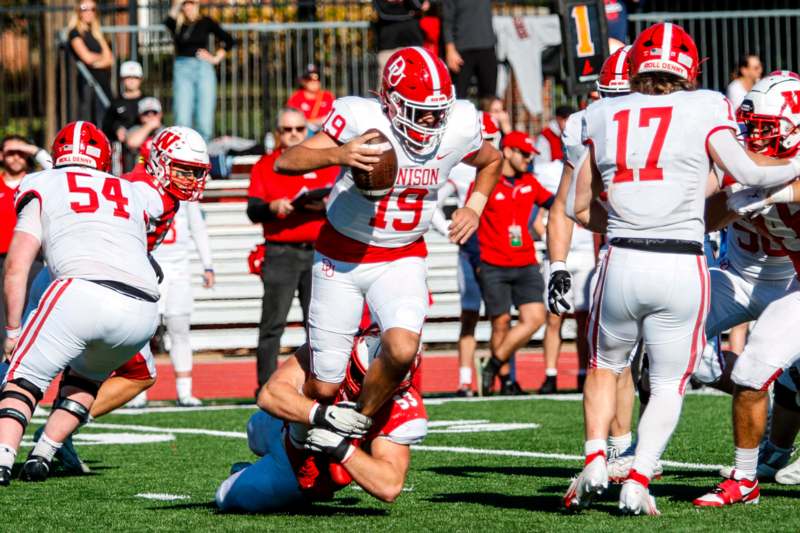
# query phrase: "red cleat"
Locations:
[[731, 491]]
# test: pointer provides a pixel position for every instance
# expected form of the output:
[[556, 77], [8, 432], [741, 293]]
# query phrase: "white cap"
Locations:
[[149, 103], [131, 69]]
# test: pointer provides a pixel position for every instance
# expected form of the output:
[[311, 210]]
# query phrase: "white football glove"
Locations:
[[341, 418], [750, 201], [329, 443]]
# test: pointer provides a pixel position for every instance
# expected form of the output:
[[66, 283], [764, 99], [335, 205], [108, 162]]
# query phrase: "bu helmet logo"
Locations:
[[792, 99], [396, 71]]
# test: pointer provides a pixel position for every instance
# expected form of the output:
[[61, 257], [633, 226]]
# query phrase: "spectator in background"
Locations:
[[150, 123], [194, 85], [397, 26], [123, 113], [548, 143], [291, 224], [311, 99], [495, 107], [90, 48], [748, 72], [509, 272], [617, 18], [18, 157], [469, 41]]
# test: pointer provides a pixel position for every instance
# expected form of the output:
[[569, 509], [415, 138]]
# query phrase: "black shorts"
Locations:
[[503, 286]]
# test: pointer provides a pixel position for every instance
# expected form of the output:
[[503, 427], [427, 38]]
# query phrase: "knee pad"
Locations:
[[785, 397], [15, 414], [181, 348], [28, 387], [71, 380], [74, 408]]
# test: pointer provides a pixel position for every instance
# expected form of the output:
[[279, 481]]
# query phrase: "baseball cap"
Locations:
[[519, 140], [131, 69], [310, 71], [149, 103]]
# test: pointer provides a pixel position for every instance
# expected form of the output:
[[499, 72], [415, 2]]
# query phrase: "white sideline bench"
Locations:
[[227, 316]]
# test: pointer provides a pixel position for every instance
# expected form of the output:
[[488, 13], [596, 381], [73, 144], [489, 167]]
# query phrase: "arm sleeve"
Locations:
[[734, 159], [224, 38], [197, 227], [29, 219], [448, 16]]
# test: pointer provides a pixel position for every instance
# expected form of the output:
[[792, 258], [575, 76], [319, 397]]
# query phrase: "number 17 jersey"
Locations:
[[652, 154]]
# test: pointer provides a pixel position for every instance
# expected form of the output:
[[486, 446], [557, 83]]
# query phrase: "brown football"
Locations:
[[377, 183]]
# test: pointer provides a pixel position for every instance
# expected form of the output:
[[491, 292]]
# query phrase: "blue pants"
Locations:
[[194, 90], [270, 483]]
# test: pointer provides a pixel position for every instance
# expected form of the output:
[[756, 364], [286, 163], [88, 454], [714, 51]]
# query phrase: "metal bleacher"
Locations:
[[227, 317]]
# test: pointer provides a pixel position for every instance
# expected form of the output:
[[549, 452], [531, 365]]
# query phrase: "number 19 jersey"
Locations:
[[404, 215], [652, 153], [94, 224]]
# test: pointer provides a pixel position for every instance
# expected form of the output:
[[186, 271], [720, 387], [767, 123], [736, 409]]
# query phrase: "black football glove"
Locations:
[[341, 418], [558, 288]]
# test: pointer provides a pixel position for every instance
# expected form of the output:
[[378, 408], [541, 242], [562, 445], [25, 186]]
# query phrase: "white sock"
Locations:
[[746, 463], [464, 376], [593, 446], [656, 425], [184, 387], [621, 443], [7, 455], [46, 447], [551, 372]]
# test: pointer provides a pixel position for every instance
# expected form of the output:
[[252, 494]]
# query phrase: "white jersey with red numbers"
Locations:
[[651, 151], [404, 215], [574, 149], [755, 255], [187, 231], [781, 224], [94, 225]]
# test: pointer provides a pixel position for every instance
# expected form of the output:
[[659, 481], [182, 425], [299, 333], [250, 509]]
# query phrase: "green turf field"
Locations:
[[469, 475]]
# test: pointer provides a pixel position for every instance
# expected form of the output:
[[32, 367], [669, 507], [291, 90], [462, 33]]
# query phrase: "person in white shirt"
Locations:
[[748, 72]]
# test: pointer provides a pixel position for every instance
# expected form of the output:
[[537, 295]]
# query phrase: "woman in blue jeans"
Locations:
[[194, 79]]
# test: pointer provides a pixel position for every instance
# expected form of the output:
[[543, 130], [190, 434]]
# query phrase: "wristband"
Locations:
[[557, 265], [477, 201], [312, 413], [784, 195], [13, 333]]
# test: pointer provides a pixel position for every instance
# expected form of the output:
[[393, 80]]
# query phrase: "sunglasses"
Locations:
[[149, 113], [87, 8], [18, 153], [292, 129], [524, 154]]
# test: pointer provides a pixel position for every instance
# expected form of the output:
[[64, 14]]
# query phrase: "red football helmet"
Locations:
[[665, 47], [417, 95], [83, 144], [615, 76]]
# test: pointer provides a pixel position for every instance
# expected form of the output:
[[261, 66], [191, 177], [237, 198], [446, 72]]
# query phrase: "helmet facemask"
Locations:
[[770, 135], [407, 119]]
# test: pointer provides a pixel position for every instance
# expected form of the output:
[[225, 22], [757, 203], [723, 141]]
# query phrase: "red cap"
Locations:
[[519, 140]]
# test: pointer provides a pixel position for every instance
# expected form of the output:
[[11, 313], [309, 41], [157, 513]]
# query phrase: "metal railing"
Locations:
[[722, 37]]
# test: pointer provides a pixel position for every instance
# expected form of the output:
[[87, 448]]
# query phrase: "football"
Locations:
[[377, 183]]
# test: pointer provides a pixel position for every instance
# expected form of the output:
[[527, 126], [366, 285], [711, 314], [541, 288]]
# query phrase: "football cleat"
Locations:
[[635, 498], [620, 466], [511, 388], [590, 483], [770, 461], [789, 475], [488, 372], [549, 386], [67, 454], [36, 468], [137, 402], [5, 476], [189, 401], [731, 491]]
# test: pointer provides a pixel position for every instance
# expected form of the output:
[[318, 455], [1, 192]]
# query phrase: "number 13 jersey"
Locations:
[[93, 224], [652, 154], [402, 217]]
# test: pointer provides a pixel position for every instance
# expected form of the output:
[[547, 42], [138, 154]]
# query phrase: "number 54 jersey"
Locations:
[[652, 153], [93, 224], [403, 216]]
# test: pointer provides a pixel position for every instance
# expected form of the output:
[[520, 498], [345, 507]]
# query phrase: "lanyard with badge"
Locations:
[[514, 229]]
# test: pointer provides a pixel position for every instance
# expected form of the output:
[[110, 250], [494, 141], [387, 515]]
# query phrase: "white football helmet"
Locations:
[[771, 115], [179, 162]]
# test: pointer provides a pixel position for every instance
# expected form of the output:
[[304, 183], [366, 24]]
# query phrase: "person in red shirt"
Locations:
[[292, 211], [18, 158], [311, 99], [509, 272]]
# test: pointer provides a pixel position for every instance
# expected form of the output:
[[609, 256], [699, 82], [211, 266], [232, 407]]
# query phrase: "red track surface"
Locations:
[[236, 378]]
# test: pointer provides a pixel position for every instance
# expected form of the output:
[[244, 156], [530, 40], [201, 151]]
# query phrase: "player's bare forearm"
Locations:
[[489, 162], [281, 396], [21, 255], [559, 227], [595, 218], [301, 159], [383, 472], [718, 215]]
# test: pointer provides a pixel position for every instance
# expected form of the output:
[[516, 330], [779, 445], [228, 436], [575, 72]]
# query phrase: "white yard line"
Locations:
[[162, 497]]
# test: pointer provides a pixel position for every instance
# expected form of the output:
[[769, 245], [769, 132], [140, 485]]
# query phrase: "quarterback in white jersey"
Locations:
[[187, 232], [375, 249], [651, 153], [92, 228]]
